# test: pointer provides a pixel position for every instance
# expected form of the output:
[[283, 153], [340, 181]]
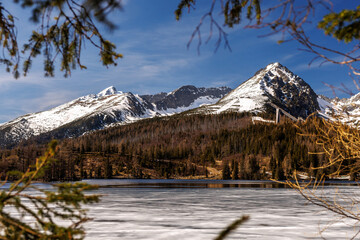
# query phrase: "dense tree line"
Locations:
[[227, 146]]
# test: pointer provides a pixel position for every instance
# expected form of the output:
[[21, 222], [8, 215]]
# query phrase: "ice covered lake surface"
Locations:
[[198, 209]]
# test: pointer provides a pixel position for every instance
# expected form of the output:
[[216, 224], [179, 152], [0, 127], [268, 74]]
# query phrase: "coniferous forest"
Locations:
[[221, 146]]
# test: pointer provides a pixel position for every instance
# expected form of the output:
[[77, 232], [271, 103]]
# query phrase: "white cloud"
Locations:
[[290, 56], [34, 78], [51, 99]]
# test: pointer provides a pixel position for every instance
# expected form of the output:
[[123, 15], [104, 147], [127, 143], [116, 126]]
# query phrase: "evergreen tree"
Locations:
[[273, 167], [279, 173], [226, 174], [108, 169], [39, 210], [235, 170]]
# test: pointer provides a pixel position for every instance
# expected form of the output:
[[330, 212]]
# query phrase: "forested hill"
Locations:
[[225, 146]]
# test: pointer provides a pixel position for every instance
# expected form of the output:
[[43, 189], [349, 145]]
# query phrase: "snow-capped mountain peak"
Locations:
[[107, 108], [108, 91], [273, 65], [274, 84]]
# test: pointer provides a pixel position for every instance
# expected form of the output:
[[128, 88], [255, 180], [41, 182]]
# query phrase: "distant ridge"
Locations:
[[274, 85], [107, 108]]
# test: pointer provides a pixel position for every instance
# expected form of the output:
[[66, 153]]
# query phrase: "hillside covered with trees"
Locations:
[[227, 146]]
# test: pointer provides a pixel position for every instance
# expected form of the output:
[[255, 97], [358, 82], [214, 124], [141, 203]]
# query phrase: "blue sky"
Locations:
[[156, 59]]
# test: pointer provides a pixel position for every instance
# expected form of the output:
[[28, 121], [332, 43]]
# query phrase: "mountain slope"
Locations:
[[274, 84], [186, 97], [346, 110], [108, 104], [98, 111]]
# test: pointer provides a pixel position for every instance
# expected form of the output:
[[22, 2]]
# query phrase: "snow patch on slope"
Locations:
[[201, 101]]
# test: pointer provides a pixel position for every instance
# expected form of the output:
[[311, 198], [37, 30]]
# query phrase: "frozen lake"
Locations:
[[161, 209]]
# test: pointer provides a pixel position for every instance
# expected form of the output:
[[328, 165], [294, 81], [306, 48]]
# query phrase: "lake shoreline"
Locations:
[[203, 183]]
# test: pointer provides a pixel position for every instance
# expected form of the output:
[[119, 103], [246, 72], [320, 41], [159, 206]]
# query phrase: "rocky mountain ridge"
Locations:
[[346, 110], [270, 87], [107, 108], [184, 96], [274, 84]]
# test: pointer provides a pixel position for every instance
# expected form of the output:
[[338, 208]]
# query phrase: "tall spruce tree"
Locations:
[[235, 170], [226, 174]]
